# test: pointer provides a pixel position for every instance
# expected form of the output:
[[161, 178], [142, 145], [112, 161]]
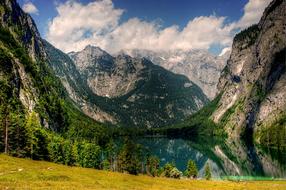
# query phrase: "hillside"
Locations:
[[34, 105], [123, 90], [18, 173]]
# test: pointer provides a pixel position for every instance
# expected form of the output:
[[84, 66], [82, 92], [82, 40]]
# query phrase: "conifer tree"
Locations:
[[192, 170], [128, 158], [208, 174], [152, 165]]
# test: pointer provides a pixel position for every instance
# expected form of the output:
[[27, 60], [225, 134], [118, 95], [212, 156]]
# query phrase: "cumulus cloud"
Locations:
[[77, 25], [30, 8], [97, 23], [199, 33], [253, 11]]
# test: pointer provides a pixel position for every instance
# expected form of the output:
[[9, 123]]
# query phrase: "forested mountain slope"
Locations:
[[123, 90], [33, 102]]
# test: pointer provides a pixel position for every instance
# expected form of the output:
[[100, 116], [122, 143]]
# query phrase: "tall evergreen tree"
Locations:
[[208, 173], [152, 165], [128, 158], [192, 170]]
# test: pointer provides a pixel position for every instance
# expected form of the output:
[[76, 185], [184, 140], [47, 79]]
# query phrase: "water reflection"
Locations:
[[226, 158]]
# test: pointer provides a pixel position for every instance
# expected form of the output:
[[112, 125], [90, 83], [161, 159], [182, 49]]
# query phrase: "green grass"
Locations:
[[18, 173]]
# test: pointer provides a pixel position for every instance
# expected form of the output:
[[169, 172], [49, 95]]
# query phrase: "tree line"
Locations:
[[27, 138]]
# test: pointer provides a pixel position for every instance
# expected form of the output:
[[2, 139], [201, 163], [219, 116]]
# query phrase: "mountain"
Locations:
[[25, 79], [251, 100], [253, 83], [125, 91], [34, 105], [200, 66]]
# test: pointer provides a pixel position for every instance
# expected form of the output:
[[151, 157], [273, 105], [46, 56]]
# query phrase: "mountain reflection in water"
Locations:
[[230, 158]]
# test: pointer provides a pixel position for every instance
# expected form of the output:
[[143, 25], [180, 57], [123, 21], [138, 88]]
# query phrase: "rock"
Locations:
[[199, 66], [253, 81], [104, 87]]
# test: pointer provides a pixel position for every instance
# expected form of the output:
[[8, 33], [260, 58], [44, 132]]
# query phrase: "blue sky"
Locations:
[[169, 11], [164, 13]]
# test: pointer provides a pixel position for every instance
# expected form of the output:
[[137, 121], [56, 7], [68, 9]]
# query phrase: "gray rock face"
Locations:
[[107, 76], [25, 71], [253, 82], [76, 87], [131, 91], [30, 37], [199, 66]]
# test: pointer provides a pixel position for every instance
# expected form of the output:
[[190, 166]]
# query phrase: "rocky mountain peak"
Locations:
[[94, 51], [12, 14], [90, 57], [122, 88], [199, 66]]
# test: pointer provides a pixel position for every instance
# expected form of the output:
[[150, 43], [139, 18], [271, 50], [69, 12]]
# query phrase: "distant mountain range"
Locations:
[[200, 66], [123, 90]]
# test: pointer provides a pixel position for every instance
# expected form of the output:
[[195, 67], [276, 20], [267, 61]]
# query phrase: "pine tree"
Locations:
[[152, 165], [111, 155], [30, 126], [208, 174], [18, 136], [128, 158], [192, 170]]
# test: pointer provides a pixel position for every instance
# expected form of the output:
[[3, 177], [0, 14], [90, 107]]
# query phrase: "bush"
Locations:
[[169, 170], [175, 173]]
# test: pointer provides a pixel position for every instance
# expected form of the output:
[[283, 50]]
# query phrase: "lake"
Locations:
[[231, 158]]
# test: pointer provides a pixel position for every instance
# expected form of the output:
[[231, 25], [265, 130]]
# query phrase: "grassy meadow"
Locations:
[[16, 173]]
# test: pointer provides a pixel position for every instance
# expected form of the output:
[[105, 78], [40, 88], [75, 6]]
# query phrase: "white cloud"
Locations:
[[224, 51], [97, 23], [199, 33], [253, 11], [30, 8], [76, 24]]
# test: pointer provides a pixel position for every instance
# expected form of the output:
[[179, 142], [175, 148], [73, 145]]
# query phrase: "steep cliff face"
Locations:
[[27, 85], [105, 75], [199, 66], [76, 86], [253, 81], [33, 100], [22, 26], [123, 90]]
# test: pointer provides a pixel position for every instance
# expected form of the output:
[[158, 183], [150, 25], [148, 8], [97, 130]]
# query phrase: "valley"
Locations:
[[166, 117]]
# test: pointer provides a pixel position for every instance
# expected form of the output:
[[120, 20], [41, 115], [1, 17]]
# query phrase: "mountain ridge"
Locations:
[[121, 85], [199, 66]]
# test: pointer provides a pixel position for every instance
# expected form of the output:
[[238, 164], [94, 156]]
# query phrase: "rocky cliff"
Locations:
[[131, 91], [200, 66], [28, 82], [27, 85], [253, 83]]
